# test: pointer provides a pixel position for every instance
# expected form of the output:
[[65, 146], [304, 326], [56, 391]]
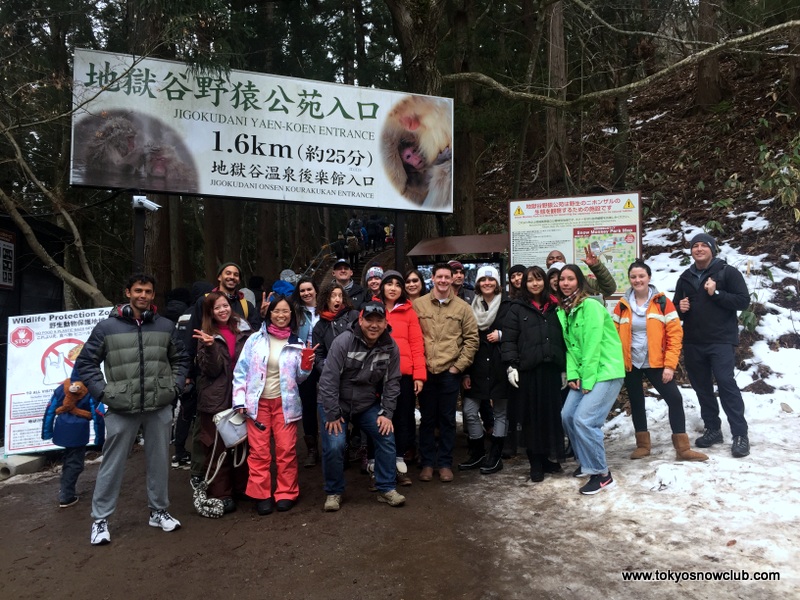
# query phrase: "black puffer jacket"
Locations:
[[488, 380], [145, 363], [215, 368], [532, 337]]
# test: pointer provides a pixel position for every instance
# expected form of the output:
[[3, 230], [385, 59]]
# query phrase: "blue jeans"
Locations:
[[583, 416], [333, 446], [437, 407], [718, 360]]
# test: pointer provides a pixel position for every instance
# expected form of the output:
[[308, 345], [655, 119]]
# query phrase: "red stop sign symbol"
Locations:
[[22, 337]]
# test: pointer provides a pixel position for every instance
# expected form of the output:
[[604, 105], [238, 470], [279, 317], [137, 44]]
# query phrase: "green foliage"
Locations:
[[749, 319], [714, 226], [780, 173]]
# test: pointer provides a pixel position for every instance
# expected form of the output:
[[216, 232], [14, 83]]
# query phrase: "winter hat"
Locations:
[[556, 266], [223, 266], [392, 273], [487, 271], [516, 269], [282, 287], [374, 272], [341, 262], [707, 240], [454, 264]]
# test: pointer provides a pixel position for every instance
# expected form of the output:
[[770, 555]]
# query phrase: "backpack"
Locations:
[[352, 244]]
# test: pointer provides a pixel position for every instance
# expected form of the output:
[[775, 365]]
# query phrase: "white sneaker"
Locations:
[[371, 466], [100, 534], [161, 518], [392, 498], [333, 502], [401, 465]]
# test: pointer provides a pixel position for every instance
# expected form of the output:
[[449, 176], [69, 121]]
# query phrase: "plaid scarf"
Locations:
[[566, 303]]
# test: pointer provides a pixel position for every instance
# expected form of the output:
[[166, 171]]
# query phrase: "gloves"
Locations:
[[513, 377], [563, 380]]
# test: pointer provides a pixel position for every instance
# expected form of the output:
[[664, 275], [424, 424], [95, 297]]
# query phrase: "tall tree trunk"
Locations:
[[213, 236], [557, 68], [416, 26], [710, 88], [794, 69], [464, 161], [621, 145]]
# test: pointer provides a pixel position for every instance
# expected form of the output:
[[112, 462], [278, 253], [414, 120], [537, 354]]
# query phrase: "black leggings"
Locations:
[[669, 391]]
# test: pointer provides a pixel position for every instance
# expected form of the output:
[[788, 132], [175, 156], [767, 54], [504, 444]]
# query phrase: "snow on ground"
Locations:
[[723, 517]]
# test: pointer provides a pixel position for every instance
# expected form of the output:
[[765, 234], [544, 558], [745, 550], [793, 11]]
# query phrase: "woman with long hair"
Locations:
[[533, 349], [650, 330], [304, 301], [595, 372], [414, 284], [219, 344], [336, 313], [266, 379], [485, 380], [407, 334]]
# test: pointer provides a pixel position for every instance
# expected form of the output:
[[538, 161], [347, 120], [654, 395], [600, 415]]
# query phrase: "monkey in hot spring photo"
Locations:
[[134, 149], [416, 147]]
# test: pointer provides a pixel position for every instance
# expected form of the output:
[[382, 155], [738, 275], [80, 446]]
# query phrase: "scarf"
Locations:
[[329, 315], [281, 333], [485, 313], [566, 303]]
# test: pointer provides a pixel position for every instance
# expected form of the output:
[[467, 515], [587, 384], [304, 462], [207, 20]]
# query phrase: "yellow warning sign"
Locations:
[[519, 213], [629, 204]]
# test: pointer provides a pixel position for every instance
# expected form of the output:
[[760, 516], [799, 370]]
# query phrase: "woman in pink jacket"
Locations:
[[407, 334]]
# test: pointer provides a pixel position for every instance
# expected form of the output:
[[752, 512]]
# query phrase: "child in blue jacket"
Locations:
[[66, 421]]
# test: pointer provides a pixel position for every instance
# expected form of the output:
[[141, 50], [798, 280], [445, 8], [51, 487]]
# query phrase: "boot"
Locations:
[[642, 445], [682, 449], [476, 457], [494, 462], [313, 452], [537, 466]]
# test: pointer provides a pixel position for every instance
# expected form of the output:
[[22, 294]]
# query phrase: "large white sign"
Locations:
[[610, 224], [154, 125], [41, 353]]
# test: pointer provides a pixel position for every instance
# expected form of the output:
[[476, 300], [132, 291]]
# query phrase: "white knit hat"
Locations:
[[488, 271]]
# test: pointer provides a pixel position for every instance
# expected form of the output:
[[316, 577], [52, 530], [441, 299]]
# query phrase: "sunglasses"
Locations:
[[373, 310]]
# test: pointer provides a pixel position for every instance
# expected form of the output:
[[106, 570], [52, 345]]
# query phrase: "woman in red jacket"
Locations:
[[407, 334], [651, 334]]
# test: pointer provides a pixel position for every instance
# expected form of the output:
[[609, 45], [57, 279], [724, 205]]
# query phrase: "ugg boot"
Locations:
[[477, 454], [494, 462], [642, 445], [537, 466], [313, 452], [682, 449]]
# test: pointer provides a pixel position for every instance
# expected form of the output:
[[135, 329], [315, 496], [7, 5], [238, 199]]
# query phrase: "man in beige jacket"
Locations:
[[451, 341]]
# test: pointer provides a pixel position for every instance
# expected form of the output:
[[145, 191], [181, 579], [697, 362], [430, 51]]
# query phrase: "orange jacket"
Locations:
[[664, 332]]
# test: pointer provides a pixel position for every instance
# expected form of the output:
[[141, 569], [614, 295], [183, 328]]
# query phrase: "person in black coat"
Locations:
[[535, 354], [485, 379]]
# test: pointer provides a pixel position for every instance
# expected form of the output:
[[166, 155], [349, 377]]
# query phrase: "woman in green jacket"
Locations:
[[595, 373]]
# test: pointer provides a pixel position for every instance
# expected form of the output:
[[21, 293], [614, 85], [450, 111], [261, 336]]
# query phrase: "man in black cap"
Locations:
[[343, 275], [708, 295]]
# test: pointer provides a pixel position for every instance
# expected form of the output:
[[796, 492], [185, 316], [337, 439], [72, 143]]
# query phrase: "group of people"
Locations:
[[352, 363]]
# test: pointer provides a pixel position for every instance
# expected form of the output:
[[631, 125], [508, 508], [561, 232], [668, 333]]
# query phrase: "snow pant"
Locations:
[[583, 416], [437, 406], [230, 480], [121, 430], [669, 391], [718, 360], [71, 468], [259, 459], [472, 420]]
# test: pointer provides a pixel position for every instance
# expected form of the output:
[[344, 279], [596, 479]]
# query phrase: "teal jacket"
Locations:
[[594, 351]]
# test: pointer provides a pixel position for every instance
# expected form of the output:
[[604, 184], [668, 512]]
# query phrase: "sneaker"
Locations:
[[709, 438], [392, 498], [100, 533], [181, 461], [161, 518], [739, 448], [598, 483], [401, 465], [578, 473], [333, 502], [74, 500], [370, 467]]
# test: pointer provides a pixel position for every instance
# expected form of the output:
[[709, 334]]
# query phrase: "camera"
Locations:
[[143, 202]]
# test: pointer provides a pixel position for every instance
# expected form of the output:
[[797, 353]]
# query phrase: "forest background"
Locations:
[[692, 103]]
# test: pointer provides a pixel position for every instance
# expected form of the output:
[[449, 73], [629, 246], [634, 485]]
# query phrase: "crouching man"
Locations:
[[360, 383]]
